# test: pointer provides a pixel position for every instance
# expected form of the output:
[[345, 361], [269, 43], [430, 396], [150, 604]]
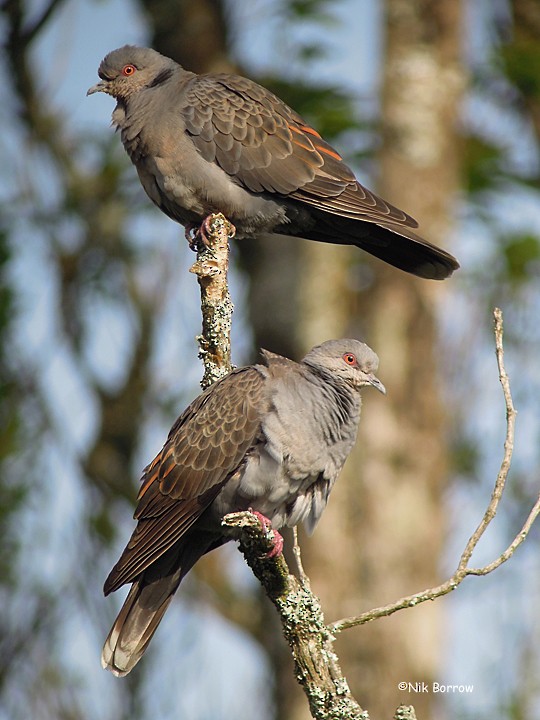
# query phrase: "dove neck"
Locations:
[[342, 400]]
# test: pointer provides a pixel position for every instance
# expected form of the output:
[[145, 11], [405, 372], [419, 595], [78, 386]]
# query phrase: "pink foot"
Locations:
[[204, 230], [276, 537], [196, 234]]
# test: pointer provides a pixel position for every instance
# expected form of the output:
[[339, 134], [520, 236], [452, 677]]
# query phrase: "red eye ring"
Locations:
[[350, 358], [128, 70]]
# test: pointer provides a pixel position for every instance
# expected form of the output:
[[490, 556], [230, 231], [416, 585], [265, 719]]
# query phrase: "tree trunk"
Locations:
[[382, 534]]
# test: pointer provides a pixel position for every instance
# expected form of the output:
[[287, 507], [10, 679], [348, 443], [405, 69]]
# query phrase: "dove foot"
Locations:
[[197, 235], [277, 538]]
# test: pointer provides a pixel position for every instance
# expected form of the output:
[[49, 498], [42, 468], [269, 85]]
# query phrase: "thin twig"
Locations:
[[463, 569], [508, 446], [510, 550], [211, 268], [298, 558]]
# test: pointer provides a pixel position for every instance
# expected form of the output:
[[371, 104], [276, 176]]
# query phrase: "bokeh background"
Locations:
[[436, 105]]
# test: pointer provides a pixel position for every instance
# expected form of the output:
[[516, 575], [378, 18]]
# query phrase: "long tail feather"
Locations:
[[147, 601], [136, 623]]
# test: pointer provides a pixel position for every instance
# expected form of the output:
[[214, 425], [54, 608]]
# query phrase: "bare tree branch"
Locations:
[[304, 627], [316, 664], [463, 569], [211, 268], [298, 558]]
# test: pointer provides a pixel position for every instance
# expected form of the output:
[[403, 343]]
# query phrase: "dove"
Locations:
[[271, 438], [221, 143]]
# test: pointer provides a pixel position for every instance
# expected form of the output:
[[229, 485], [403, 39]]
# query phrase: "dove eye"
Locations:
[[350, 359], [128, 70]]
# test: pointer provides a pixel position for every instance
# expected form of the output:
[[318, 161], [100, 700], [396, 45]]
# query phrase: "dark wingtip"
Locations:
[[440, 269], [111, 584], [407, 251], [391, 242]]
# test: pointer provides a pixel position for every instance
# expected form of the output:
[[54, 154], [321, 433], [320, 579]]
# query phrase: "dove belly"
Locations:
[[265, 485], [190, 190]]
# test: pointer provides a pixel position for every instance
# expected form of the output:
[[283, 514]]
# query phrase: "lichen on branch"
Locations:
[[211, 268]]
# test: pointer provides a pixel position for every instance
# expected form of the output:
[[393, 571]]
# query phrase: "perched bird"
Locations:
[[221, 143], [272, 438]]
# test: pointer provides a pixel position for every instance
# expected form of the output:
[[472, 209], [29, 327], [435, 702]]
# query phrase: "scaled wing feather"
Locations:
[[206, 445]]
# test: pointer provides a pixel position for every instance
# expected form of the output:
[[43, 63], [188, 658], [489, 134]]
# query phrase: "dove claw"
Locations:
[[273, 535]]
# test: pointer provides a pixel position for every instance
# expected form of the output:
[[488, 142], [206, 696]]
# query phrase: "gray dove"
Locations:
[[271, 438], [222, 143]]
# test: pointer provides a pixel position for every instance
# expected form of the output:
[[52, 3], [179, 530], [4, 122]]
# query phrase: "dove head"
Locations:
[[129, 69], [349, 361]]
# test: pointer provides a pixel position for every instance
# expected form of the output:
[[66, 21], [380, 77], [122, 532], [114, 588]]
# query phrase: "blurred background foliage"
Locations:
[[98, 316]]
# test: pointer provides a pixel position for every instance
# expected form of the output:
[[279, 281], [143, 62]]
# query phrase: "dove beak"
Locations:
[[376, 383], [99, 87]]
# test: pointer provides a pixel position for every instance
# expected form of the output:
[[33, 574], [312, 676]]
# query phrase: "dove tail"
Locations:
[[396, 244], [147, 601], [137, 622]]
